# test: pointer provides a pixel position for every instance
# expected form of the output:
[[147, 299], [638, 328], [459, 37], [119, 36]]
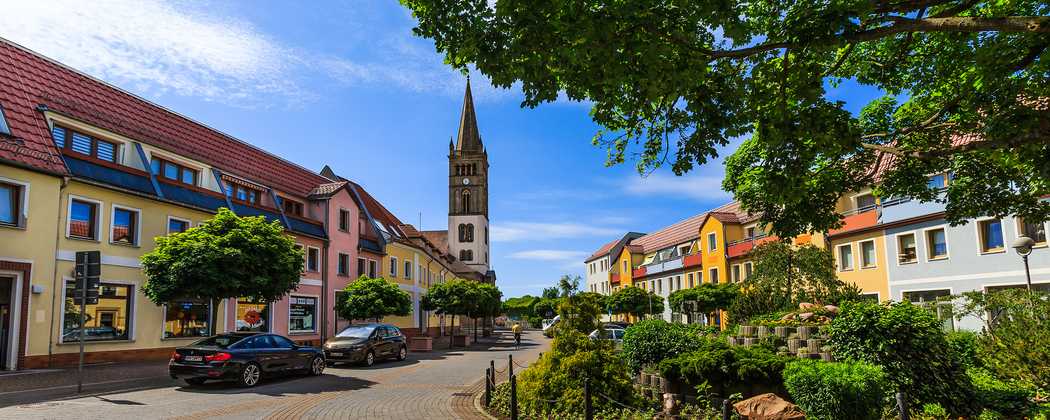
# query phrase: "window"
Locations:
[[187, 318], [689, 280], [393, 267], [466, 201], [360, 267], [125, 226], [242, 193], [84, 144], [302, 314], [10, 204], [749, 232], [845, 254], [107, 320], [936, 244], [943, 309], [343, 265], [252, 315], [4, 128], [712, 242], [372, 269], [344, 220], [991, 235], [281, 342], [408, 269], [1036, 231], [466, 255], [734, 275], [83, 219], [906, 253], [678, 283], [867, 254], [747, 269], [313, 259], [937, 182], [291, 207], [177, 225], [172, 171], [865, 202], [713, 273]]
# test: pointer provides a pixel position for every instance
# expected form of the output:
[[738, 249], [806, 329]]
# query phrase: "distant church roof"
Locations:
[[468, 138]]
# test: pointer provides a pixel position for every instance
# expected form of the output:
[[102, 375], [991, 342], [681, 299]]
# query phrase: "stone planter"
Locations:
[[748, 331], [827, 357], [643, 378], [421, 343], [461, 340], [763, 332], [814, 345], [750, 341], [784, 332], [794, 345], [805, 332], [732, 340]]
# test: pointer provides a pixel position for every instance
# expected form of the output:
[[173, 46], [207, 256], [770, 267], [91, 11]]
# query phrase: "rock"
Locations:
[[788, 317], [822, 319], [805, 306], [671, 405], [768, 407], [805, 316], [831, 309]]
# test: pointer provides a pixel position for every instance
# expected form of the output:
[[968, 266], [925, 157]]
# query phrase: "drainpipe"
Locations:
[[55, 280], [324, 276]]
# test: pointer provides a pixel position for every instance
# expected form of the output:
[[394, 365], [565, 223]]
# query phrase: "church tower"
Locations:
[[468, 192]]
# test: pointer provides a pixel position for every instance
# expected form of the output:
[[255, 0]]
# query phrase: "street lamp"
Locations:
[[1023, 245]]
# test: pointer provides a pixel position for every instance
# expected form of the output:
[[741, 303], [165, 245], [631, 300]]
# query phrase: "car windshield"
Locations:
[[220, 341], [356, 332]]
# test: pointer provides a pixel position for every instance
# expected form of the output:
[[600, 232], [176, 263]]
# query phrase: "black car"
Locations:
[[366, 343], [243, 358]]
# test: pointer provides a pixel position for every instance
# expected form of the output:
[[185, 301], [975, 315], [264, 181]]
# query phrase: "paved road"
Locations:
[[431, 385]]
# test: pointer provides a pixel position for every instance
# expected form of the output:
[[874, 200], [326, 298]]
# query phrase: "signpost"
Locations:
[[86, 277]]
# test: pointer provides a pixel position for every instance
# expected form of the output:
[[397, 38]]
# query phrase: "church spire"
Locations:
[[468, 138]]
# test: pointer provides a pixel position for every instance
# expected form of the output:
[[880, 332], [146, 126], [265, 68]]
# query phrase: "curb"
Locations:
[[481, 410]]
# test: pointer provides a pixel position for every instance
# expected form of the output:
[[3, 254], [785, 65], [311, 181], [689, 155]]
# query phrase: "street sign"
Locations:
[[86, 275]]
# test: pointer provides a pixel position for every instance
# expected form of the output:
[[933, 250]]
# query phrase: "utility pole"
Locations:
[[86, 273]]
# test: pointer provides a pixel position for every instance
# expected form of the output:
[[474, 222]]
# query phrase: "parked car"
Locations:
[[243, 357], [610, 333], [365, 344], [548, 326]]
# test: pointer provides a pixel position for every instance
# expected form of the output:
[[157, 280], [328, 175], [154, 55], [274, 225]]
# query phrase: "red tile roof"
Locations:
[[437, 237], [684, 231], [379, 213], [28, 79], [603, 250]]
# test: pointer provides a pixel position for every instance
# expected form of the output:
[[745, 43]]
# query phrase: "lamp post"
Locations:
[[1023, 245]]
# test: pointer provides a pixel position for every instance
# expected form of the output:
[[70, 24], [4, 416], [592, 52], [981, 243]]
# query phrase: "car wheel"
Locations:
[[195, 381], [317, 366], [250, 375], [402, 354], [370, 358]]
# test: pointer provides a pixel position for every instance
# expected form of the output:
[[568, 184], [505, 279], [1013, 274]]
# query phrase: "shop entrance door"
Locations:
[[5, 321]]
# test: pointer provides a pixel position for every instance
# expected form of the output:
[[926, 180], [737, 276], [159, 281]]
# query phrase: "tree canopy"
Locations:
[[705, 298], [225, 257], [634, 301], [961, 87], [368, 298]]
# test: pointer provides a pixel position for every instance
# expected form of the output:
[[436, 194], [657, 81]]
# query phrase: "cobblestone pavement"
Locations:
[[433, 385]]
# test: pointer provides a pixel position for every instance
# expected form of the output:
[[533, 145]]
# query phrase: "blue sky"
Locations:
[[346, 84]]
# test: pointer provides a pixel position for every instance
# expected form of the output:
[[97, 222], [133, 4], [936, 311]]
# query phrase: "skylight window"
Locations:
[[4, 128]]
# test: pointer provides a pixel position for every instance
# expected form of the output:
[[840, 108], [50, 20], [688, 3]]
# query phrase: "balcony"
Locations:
[[614, 278], [857, 219], [743, 246], [901, 209], [692, 260], [672, 264], [638, 272]]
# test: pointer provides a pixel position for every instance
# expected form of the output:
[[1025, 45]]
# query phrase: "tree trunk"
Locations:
[[452, 333], [475, 329]]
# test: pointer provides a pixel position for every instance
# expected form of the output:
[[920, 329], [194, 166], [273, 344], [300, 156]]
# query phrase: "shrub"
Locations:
[[825, 390], [963, 347], [1010, 398], [648, 342], [906, 341], [724, 370], [1016, 342]]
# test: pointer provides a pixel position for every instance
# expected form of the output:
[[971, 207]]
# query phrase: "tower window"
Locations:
[[466, 201], [466, 232], [466, 255]]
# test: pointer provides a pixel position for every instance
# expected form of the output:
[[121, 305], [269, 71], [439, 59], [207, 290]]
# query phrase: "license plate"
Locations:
[[337, 354], [194, 358]]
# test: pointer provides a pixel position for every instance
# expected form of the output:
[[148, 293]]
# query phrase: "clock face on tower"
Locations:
[[466, 181]]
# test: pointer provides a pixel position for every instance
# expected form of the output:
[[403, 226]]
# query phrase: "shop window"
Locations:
[[187, 318], [1034, 230], [867, 254], [936, 244], [302, 314], [991, 235], [107, 320], [10, 204], [125, 226], [177, 225], [252, 315], [83, 219], [906, 251], [343, 268]]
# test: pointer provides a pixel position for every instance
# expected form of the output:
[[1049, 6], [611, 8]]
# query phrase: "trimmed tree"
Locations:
[[225, 257], [369, 298], [453, 297], [635, 301], [705, 298], [488, 303]]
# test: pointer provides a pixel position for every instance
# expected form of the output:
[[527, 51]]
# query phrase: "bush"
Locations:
[[1009, 398], [724, 370], [963, 347], [1016, 341], [648, 342], [825, 390], [906, 341]]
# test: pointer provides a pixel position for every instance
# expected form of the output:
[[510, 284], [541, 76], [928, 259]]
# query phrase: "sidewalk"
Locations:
[[29, 386]]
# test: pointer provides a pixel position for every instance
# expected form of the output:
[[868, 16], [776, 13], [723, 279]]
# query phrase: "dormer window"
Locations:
[[4, 128], [83, 144], [172, 171], [242, 193], [290, 206]]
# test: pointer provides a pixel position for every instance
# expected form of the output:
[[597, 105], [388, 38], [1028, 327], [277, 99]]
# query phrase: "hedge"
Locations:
[[826, 390]]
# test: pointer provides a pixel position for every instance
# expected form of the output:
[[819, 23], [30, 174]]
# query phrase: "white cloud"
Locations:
[[549, 255], [152, 46], [526, 231], [699, 187]]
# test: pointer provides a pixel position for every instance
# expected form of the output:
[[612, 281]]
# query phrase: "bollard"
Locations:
[[510, 365], [513, 398], [902, 406], [488, 387], [588, 412], [726, 410]]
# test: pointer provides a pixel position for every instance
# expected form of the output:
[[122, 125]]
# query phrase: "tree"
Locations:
[[568, 285], [580, 312], [1015, 343], [963, 83], [784, 276], [704, 299], [369, 298], [486, 303], [225, 257], [453, 297], [550, 293], [635, 301]]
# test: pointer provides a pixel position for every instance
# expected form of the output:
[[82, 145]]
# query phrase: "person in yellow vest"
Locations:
[[516, 329]]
